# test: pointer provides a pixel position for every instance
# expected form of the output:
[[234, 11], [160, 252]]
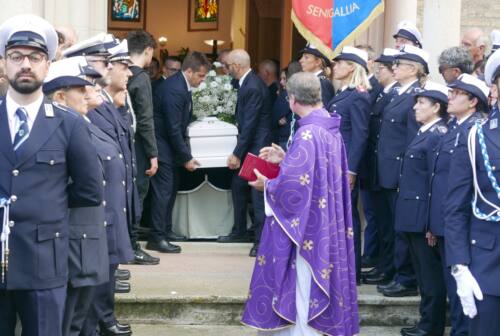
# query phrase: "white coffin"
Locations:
[[212, 141]]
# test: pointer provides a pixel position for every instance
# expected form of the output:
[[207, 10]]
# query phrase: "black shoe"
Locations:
[[122, 274], [122, 287], [399, 290], [406, 329], [367, 261], [114, 331], [123, 327], [141, 257], [232, 238], [377, 279], [372, 272], [415, 332], [163, 246], [380, 288], [254, 250], [172, 236]]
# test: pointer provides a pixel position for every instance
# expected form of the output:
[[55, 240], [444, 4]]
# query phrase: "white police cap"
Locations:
[[434, 90], [119, 53], [387, 56], [354, 55], [472, 85], [68, 72], [94, 46], [415, 54], [407, 29], [492, 68], [311, 49], [28, 30], [495, 39]]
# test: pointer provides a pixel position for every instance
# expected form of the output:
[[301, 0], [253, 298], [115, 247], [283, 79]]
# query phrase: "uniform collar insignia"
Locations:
[[49, 110]]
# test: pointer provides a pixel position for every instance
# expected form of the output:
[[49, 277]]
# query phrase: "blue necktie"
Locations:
[[24, 130]]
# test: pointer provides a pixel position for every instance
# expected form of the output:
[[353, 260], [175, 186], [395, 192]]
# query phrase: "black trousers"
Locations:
[[102, 310], [241, 192], [356, 227], [78, 302], [40, 311], [164, 185], [429, 273], [400, 255], [143, 163], [383, 203], [459, 322]]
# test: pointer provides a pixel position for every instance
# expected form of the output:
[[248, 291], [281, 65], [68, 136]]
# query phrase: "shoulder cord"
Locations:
[[5, 204], [493, 216]]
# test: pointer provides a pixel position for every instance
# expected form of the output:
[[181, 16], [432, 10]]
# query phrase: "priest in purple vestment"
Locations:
[[304, 279]]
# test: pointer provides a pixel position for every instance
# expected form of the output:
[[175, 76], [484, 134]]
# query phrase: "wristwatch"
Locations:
[[455, 269]]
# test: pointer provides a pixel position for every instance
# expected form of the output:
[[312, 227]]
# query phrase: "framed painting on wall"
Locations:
[[126, 14], [203, 15]]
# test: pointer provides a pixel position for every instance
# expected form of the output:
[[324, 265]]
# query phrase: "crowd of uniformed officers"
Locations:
[[423, 157]]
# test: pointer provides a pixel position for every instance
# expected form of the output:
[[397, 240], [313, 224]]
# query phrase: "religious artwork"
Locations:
[[203, 15], [126, 14]]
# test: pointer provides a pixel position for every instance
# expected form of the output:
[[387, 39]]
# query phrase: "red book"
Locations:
[[268, 169]]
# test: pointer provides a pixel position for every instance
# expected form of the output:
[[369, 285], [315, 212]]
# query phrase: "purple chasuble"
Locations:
[[310, 201]]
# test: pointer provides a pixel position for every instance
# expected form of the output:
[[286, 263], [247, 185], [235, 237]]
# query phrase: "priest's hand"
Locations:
[[192, 165], [154, 167], [233, 162], [260, 182], [274, 154], [468, 289]]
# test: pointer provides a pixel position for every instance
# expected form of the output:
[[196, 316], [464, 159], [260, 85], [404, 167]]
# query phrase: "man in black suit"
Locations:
[[172, 114], [254, 130]]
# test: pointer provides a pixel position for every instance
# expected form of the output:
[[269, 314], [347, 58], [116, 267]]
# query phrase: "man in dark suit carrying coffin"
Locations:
[[172, 114], [254, 130]]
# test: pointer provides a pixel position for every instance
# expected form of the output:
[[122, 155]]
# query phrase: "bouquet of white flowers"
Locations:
[[215, 97]]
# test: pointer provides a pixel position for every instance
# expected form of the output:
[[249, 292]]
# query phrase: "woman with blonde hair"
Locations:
[[352, 103]]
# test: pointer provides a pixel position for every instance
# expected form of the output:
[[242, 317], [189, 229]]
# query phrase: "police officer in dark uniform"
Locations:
[[108, 119], [471, 228], [42, 146], [412, 205], [312, 60], [398, 128], [463, 117], [65, 85], [352, 103], [381, 273]]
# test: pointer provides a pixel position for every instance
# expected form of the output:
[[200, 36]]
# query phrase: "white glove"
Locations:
[[467, 289]]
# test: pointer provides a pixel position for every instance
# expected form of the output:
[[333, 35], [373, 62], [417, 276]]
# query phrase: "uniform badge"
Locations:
[[456, 139], [493, 123], [49, 111]]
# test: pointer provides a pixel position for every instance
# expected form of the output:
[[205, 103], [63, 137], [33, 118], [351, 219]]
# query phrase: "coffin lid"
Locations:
[[210, 127]]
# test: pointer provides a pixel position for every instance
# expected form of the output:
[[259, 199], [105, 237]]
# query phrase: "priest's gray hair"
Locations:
[[305, 88], [240, 57]]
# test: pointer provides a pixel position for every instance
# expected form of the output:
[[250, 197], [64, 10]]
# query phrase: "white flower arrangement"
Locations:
[[215, 97]]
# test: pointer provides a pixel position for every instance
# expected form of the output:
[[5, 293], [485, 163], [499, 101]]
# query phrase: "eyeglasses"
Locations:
[[455, 93], [399, 63], [33, 58]]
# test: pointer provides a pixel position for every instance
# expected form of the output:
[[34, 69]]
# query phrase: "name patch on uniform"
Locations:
[[49, 111], [493, 123]]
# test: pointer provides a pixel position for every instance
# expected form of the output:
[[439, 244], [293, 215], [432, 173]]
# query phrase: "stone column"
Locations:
[[441, 30], [86, 17], [396, 11]]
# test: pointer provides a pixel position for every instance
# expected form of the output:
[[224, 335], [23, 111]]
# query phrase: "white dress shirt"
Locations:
[[242, 79], [405, 88], [31, 109]]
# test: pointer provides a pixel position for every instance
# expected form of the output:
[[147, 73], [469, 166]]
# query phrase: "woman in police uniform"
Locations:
[[464, 109], [352, 103], [398, 128], [472, 231], [411, 209]]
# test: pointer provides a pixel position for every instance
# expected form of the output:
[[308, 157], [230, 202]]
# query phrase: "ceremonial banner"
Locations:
[[331, 24]]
